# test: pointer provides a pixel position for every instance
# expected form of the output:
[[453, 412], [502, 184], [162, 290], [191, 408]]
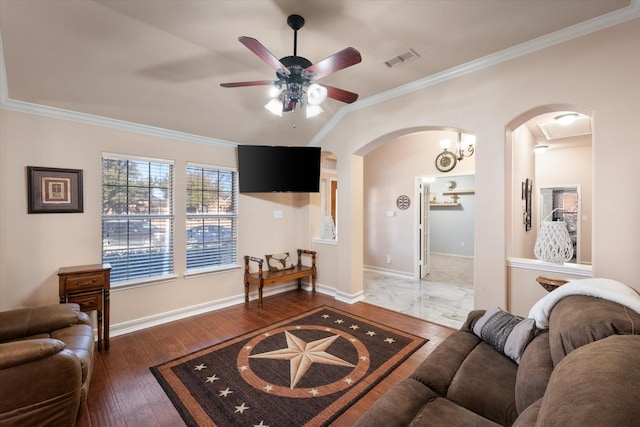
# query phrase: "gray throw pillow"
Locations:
[[505, 332]]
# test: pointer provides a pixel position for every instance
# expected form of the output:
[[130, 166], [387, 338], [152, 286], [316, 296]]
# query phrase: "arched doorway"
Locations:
[[392, 173]]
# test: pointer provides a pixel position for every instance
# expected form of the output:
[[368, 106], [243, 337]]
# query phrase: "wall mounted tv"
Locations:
[[268, 169]]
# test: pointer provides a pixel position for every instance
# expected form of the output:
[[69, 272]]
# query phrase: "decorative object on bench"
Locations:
[[255, 378], [262, 277], [278, 262], [46, 361], [583, 369]]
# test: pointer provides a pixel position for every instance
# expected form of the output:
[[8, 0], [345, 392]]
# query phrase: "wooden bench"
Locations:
[[262, 278]]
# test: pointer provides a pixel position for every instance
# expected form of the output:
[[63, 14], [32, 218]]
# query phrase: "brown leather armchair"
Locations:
[[46, 361]]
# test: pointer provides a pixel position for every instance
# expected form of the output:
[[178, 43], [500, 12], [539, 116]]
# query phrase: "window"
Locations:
[[211, 218], [137, 218]]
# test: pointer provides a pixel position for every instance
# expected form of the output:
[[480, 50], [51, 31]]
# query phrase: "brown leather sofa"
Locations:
[[46, 360], [584, 370]]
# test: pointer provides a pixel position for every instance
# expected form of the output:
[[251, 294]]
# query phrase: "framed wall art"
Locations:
[[527, 188], [53, 190]]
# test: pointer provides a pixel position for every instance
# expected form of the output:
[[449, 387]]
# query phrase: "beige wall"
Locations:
[[523, 168], [33, 247], [389, 171], [598, 72]]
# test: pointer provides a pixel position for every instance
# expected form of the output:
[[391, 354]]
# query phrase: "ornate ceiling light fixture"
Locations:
[[296, 76], [465, 147]]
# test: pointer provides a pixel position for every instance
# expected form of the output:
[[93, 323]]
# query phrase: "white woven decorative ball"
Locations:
[[553, 243]]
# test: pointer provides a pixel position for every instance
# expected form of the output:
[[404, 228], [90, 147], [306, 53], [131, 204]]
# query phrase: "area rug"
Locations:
[[302, 371]]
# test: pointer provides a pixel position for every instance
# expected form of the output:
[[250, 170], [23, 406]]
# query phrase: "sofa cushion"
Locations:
[[17, 353], [25, 322], [529, 416], [79, 339], [444, 413], [597, 384], [597, 318], [485, 384], [507, 333], [398, 406], [534, 371], [437, 370]]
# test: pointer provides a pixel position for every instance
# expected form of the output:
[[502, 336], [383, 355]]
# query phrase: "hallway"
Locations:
[[446, 298]]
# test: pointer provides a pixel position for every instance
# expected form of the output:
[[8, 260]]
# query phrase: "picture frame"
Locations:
[[527, 189], [54, 190]]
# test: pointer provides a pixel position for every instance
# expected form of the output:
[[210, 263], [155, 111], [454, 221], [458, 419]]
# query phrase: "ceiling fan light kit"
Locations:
[[296, 76]]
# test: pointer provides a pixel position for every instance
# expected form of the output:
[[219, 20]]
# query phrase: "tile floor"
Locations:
[[437, 301]]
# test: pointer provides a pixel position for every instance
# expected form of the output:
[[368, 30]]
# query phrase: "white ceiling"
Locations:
[[160, 63]]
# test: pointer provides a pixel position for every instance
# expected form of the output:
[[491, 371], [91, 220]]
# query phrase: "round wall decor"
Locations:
[[403, 202], [446, 161]]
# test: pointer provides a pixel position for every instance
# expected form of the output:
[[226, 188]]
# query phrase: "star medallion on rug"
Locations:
[[302, 371]]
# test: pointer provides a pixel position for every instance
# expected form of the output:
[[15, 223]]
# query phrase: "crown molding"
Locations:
[[596, 24], [59, 113], [578, 30]]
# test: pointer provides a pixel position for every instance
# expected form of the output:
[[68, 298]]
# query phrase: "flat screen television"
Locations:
[[268, 169]]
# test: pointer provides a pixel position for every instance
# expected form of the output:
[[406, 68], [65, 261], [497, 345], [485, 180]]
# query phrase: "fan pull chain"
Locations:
[[293, 115]]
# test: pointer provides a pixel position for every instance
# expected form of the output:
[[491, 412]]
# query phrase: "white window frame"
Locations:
[[198, 241], [160, 242]]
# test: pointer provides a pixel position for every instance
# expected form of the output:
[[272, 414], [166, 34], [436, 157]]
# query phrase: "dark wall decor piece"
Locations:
[[527, 187], [403, 202], [53, 190]]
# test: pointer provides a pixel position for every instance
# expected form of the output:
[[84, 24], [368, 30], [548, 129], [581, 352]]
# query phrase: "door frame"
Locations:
[[421, 196]]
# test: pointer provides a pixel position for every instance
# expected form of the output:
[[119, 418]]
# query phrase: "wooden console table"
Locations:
[[88, 286]]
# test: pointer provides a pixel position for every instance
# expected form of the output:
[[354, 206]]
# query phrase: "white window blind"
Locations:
[[137, 218], [211, 218]]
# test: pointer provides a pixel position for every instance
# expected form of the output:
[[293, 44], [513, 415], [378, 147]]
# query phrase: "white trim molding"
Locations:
[[578, 30], [536, 264]]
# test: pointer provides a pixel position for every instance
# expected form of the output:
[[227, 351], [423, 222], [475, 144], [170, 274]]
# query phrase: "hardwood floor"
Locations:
[[123, 392]]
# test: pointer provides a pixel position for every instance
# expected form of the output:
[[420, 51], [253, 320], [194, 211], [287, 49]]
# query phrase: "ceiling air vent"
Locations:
[[405, 56]]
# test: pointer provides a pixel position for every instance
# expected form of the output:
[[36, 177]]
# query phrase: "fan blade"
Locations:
[[341, 94], [263, 53], [343, 59], [254, 83]]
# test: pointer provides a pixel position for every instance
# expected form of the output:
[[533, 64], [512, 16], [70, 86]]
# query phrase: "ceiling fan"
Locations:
[[296, 75]]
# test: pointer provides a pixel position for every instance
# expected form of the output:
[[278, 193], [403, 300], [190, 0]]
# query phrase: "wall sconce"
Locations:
[[553, 243], [465, 147]]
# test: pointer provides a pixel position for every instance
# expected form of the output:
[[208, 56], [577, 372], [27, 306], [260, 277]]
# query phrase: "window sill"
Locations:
[[139, 283], [208, 271], [325, 241], [536, 264]]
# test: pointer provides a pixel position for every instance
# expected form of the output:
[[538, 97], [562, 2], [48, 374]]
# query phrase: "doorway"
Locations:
[[445, 229]]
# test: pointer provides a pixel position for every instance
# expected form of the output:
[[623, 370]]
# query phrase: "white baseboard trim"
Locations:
[[183, 313], [350, 298], [387, 272]]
